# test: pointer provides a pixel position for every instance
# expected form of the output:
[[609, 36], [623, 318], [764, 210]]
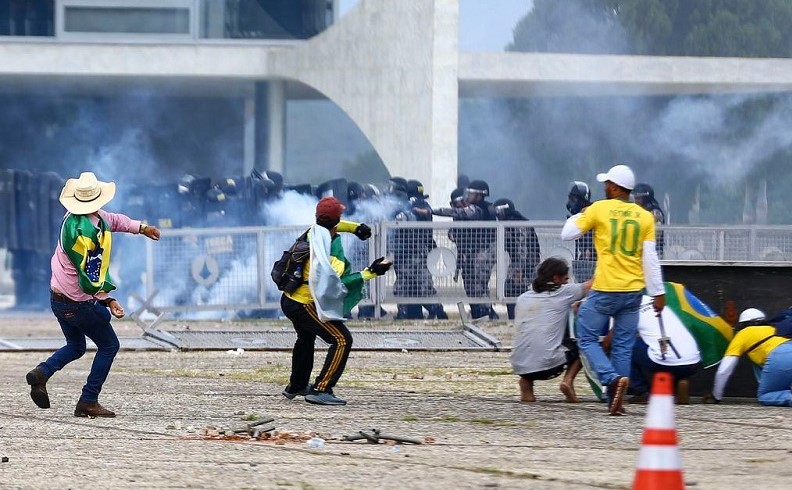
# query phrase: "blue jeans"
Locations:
[[644, 368], [776, 379], [78, 321], [592, 322]]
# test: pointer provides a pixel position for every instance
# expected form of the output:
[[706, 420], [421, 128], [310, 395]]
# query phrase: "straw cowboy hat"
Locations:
[[86, 195]]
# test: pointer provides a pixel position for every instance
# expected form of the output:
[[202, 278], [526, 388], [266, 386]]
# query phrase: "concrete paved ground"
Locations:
[[464, 403]]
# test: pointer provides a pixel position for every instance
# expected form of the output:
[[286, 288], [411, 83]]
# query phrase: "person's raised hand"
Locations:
[[380, 266], [150, 231], [363, 231]]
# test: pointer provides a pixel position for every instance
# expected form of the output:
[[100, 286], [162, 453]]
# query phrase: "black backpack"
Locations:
[[287, 271]]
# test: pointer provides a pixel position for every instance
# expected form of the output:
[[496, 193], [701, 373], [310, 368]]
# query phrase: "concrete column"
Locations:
[[276, 116], [392, 66], [270, 127], [214, 20], [249, 134]]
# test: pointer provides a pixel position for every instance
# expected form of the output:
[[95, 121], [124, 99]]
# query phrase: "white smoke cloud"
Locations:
[[292, 208]]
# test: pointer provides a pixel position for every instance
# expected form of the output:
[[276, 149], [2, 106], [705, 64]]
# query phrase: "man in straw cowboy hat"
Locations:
[[80, 287]]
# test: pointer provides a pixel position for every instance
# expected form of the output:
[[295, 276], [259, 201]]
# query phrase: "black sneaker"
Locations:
[[616, 391], [324, 398], [292, 394], [38, 387]]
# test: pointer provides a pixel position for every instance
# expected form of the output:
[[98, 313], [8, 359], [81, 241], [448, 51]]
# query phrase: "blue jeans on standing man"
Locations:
[[593, 318], [79, 320]]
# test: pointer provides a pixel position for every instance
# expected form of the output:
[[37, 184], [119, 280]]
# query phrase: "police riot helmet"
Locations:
[[215, 194], [579, 197], [478, 187], [354, 191], [230, 186], [505, 209], [397, 184], [505, 203], [643, 191], [276, 178], [581, 190], [370, 191], [415, 189], [457, 195], [190, 184]]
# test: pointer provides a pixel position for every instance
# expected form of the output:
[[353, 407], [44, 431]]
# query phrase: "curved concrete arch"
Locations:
[[392, 67]]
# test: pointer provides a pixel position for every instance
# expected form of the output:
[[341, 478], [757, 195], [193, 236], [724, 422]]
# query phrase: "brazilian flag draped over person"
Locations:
[[88, 248], [711, 332]]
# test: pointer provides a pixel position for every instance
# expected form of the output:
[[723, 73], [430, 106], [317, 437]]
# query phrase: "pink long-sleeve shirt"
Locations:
[[64, 273]]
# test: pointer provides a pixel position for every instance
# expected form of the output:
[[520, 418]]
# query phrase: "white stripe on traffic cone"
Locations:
[[659, 464]]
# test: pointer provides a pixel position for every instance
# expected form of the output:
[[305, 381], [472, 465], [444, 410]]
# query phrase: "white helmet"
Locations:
[[751, 314]]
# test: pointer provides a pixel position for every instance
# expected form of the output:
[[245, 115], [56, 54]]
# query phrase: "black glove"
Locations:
[[363, 231], [380, 266]]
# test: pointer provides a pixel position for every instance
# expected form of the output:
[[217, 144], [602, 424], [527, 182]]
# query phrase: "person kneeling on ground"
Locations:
[[677, 353], [540, 318], [770, 353], [319, 305]]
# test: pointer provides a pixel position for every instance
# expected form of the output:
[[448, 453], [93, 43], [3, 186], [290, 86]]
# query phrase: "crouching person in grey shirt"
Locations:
[[540, 318]]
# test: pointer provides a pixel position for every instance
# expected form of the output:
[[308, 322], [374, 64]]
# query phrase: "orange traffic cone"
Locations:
[[659, 465]]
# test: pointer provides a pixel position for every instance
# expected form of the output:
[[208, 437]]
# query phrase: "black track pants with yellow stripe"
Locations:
[[308, 325]]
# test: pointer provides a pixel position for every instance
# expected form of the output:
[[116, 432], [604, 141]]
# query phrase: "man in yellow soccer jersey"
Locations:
[[624, 237]]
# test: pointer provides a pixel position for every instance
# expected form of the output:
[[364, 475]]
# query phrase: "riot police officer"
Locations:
[[476, 245], [579, 197], [522, 245], [412, 275], [402, 243], [644, 197]]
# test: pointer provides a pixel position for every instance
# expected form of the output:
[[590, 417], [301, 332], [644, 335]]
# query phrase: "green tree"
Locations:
[[745, 28]]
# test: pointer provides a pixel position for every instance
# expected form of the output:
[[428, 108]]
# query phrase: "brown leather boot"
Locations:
[[38, 387], [87, 409]]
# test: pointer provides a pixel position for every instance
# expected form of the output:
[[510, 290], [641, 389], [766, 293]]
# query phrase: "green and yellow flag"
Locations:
[[711, 332], [88, 248]]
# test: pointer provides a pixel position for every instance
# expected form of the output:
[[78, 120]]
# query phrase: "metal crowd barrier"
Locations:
[[213, 269]]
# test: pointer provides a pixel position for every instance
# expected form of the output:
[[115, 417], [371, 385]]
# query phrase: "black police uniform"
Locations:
[[476, 247], [522, 245], [413, 278], [644, 197], [585, 254]]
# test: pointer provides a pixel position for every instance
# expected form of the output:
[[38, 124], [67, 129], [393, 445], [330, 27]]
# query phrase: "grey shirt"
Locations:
[[540, 320]]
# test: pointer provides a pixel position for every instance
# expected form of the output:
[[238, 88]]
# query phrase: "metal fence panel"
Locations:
[[434, 262], [439, 262], [755, 244], [212, 269]]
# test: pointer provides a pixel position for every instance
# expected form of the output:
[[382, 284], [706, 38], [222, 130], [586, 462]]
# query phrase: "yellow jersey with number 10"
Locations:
[[620, 229]]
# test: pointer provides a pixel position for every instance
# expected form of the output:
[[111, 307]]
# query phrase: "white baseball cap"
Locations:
[[620, 175]]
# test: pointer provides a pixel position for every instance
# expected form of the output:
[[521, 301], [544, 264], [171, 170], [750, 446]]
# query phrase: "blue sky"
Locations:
[[484, 25]]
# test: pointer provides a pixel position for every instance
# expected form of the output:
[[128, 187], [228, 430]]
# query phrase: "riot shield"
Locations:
[[7, 218], [336, 188]]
